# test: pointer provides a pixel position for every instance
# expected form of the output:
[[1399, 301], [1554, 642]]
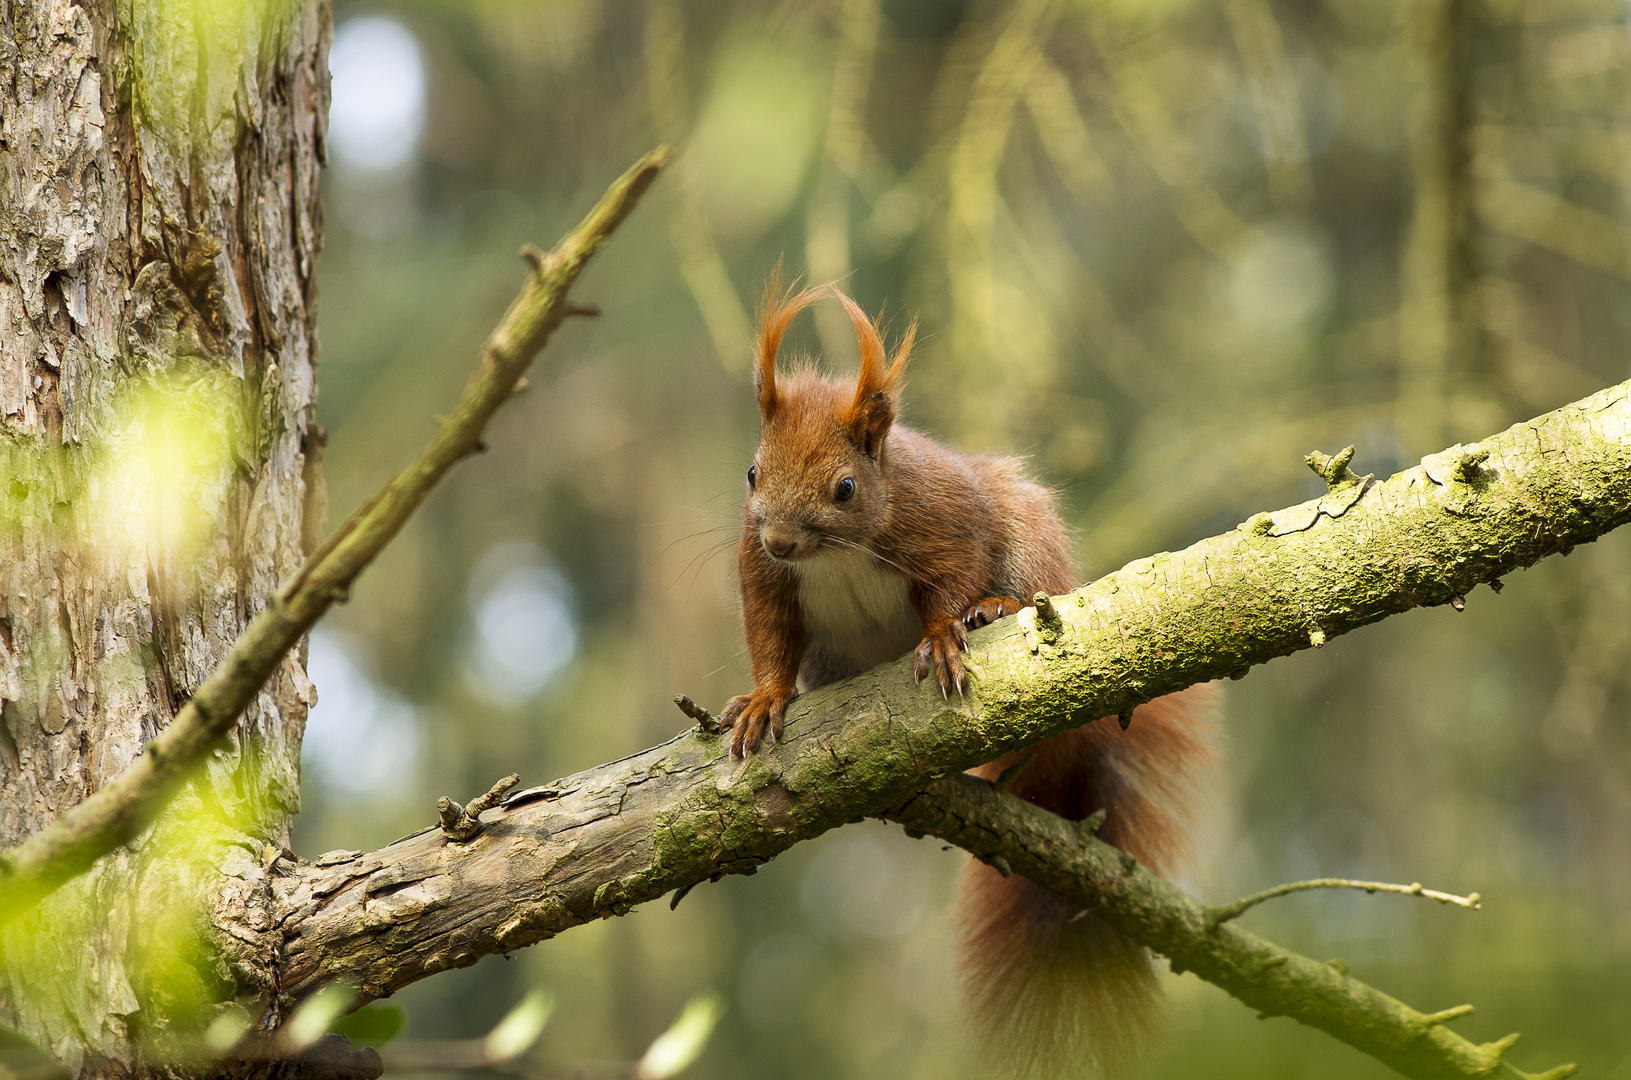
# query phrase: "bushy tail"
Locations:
[[1051, 991]]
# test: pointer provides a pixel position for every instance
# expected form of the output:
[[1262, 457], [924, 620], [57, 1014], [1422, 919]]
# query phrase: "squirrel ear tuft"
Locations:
[[877, 388], [776, 311]]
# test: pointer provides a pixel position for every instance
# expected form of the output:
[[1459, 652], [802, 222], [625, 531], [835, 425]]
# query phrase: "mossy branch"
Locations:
[[121, 810], [993, 825], [595, 844]]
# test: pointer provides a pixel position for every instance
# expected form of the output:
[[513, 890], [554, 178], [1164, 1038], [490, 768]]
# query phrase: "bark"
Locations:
[[159, 230], [595, 844]]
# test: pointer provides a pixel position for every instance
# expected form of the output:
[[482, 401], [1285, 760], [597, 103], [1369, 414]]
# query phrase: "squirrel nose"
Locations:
[[780, 546]]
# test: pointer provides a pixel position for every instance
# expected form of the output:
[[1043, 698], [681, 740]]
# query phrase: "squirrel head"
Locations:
[[819, 479]]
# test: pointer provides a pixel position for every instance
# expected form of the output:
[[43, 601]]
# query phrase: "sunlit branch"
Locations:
[[118, 812], [1066, 857]]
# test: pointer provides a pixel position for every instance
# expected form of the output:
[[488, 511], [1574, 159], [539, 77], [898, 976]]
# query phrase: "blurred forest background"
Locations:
[[1165, 248]]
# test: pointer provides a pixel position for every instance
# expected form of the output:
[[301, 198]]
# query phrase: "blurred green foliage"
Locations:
[[1164, 248], [372, 1025]]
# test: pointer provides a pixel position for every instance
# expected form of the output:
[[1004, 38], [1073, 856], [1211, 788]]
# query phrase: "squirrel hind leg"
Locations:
[[1050, 991]]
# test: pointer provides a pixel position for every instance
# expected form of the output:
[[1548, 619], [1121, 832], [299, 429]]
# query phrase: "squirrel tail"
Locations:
[[1050, 990]]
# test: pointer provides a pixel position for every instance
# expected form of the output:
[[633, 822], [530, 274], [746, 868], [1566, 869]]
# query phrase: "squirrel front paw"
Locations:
[[940, 651], [746, 715], [990, 610]]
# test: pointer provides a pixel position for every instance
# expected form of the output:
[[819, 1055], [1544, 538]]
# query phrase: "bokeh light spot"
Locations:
[[525, 634], [361, 739], [378, 106]]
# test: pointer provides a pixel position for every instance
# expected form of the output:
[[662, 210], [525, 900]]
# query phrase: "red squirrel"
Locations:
[[862, 541]]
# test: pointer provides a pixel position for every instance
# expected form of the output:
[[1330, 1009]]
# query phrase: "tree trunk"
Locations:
[[158, 469]]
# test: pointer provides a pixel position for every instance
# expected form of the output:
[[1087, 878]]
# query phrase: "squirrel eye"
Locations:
[[753, 476], [846, 488]]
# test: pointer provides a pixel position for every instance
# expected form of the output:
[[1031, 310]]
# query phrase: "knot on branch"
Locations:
[[1465, 468], [1049, 626], [542, 262], [707, 722], [464, 822], [1333, 470]]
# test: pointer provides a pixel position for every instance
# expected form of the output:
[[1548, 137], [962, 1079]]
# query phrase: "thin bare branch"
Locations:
[[1222, 913]]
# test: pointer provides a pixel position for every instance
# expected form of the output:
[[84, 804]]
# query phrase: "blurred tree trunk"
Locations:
[[159, 454]]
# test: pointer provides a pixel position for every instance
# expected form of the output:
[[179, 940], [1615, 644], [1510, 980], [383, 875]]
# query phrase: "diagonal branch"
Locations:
[[595, 844], [1066, 857], [117, 813]]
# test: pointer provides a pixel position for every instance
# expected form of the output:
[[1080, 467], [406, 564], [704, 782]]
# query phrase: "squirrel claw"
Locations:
[[940, 653], [989, 610], [754, 711]]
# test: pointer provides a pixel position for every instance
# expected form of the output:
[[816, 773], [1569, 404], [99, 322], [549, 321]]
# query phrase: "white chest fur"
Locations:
[[858, 606]]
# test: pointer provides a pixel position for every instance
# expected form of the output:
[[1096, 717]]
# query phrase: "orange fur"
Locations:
[[777, 309]]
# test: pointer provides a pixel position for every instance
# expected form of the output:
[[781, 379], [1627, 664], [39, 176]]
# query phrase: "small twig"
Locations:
[[1467, 464], [464, 822], [1444, 1016], [707, 722], [1222, 913], [1333, 470], [590, 311]]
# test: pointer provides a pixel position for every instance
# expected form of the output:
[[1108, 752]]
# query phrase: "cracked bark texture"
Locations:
[[595, 844], [159, 230]]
